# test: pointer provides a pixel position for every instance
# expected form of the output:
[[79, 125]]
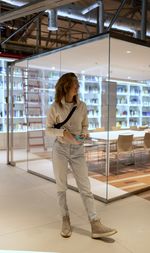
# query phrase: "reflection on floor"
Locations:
[[128, 179], [44, 168], [145, 195]]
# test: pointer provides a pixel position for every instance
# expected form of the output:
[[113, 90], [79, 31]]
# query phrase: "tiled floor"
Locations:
[[29, 219]]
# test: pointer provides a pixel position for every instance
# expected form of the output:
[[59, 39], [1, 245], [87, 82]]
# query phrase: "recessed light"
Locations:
[[129, 77], [53, 68], [128, 52]]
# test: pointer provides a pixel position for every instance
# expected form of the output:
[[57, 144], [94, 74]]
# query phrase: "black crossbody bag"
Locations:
[[59, 125]]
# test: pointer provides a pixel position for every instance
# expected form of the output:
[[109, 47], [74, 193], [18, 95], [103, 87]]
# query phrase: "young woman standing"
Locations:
[[68, 149]]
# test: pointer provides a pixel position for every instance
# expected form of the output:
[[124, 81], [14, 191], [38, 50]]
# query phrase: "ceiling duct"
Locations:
[[16, 2], [52, 20], [124, 24], [91, 7]]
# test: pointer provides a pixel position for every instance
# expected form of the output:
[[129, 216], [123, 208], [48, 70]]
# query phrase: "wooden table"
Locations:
[[113, 135]]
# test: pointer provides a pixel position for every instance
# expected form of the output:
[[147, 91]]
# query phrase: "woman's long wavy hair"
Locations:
[[63, 85]]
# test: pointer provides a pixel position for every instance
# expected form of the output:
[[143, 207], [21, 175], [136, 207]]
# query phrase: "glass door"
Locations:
[[16, 119], [39, 96], [3, 109]]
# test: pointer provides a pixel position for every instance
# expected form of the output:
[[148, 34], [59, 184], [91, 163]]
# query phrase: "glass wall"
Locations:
[[43, 73], [3, 108], [17, 120], [90, 61], [130, 158], [117, 103]]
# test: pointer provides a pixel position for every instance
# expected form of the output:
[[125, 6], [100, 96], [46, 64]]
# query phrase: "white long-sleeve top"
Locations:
[[77, 124]]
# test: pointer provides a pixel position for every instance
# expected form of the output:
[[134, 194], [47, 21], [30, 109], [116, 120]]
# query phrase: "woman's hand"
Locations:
[[68, 136], [84, 136]]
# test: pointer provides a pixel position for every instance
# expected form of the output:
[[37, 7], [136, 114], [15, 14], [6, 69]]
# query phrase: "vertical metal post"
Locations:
[[144, 19], [10, 109], [100, 17], [12, 115], [108, 123], [7, 110], [38, 34], [0, 29]]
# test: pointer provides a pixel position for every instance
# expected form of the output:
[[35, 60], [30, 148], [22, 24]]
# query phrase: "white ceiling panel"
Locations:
[[127, 60]]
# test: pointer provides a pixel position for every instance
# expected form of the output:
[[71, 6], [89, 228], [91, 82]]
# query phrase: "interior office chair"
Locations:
[[95, 146], [115, 128], [133, 128], [143, 146], [125, 147], [99, 129], [94, 150], [142, 128], [147, 141]]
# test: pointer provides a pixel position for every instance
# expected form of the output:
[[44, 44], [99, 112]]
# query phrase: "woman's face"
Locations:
[[74, 88]]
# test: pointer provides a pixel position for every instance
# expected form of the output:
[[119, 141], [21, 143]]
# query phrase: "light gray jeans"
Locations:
[[64, 154]]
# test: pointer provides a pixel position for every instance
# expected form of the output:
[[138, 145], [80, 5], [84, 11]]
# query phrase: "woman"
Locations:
[[68, 149]]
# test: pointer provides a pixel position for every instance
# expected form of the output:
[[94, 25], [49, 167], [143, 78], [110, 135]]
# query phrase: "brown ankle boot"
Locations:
[[99, 230], [66, 227]]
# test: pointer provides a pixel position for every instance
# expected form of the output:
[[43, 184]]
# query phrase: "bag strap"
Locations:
[[59, 125]]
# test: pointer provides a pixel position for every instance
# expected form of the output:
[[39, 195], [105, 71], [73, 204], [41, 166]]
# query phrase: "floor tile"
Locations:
[[30, 219]]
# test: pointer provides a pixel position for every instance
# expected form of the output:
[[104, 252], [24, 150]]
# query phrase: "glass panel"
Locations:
[[3, 109], [116, 90], [91, 66], [17, 112], [129, 158], [43, 73]]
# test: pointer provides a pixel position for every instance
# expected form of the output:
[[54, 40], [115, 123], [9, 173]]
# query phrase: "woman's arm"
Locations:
[[50, 121], [85, 132]]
